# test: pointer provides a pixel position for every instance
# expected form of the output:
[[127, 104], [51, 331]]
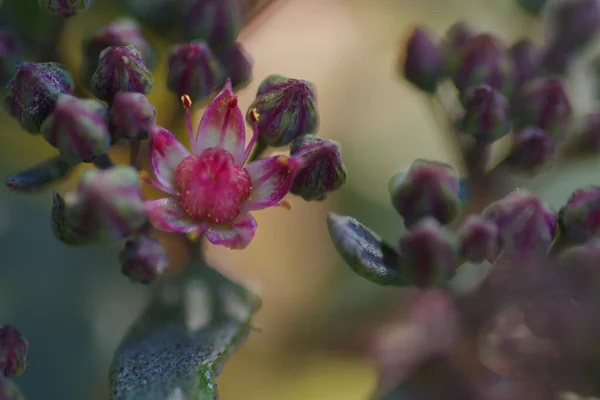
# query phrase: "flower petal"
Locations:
[[165, 154], [236, 235], [166, 215], [222, 116], [271, 180]]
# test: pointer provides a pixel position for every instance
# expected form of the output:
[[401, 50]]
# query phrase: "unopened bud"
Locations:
[[143, 259]]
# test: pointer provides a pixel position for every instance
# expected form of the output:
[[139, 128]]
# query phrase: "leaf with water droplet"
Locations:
[[177, 347], [364, 251], [39, 176]]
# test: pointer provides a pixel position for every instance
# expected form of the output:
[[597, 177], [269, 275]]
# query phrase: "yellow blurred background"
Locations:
[[349, 49]]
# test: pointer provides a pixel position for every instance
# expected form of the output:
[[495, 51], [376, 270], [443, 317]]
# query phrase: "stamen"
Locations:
[[230, 106], [145, 177], [285, 204], [187, 104], [254, 115]]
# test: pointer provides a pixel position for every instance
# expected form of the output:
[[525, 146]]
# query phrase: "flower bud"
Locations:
[[121, 69], [122, 32], [13, 352], [527, 60], [287, 108], [30, 96], [65, 7], [532, 148], [108, 204], [217, 22], [237, 64], [423, 62], [193, 70], [131, 116], [78, 128], [428, 254], [544, 103], [526, 225], [10, 56], [532, 6], [143, 259], [576, 21], [9, 390], [456, 37], [579, 219], [557, 57], [478, 239], [484, 59], [588, 134], [486, 115], [428, 189], [161, 15], [322, 171]]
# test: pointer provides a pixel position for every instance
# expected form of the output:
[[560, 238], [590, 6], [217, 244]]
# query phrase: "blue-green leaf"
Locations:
[[178, 346], [39, 176], [364, 251]]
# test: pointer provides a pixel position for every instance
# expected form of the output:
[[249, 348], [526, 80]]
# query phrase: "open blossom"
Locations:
[[210, 190]]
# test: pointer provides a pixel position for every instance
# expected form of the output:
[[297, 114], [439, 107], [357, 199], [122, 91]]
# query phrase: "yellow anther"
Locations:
[[254, 115], [285, 204], [283, 160], [193, 235], [186, 101]]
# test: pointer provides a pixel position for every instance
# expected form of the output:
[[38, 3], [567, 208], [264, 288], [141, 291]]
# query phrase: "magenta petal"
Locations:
[[271, 180], [166, 153], [222, 121], [236, 235], [166, 215]]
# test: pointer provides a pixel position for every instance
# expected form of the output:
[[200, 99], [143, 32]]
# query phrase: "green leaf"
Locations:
[[178, 346], [364, 251], [39, 176]]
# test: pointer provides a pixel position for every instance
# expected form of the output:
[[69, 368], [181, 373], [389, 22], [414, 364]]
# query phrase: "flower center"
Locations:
[[211, 187]]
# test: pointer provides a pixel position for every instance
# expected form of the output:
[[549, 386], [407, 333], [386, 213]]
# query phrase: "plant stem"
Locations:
[[103, 162], [259, 149]]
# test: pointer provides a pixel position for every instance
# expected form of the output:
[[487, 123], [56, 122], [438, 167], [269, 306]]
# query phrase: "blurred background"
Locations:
[[73, 304]]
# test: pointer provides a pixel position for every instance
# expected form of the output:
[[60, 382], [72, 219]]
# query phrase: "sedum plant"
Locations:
[[527, 327], [211, 184]]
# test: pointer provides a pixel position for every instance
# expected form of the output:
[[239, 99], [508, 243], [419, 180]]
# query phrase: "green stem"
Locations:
[[258, 150], [103, 162]]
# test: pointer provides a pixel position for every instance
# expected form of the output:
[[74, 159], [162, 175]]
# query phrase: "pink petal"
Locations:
[[166, 153], [222, 125], [166, 215], [236, 235], [271, 180]]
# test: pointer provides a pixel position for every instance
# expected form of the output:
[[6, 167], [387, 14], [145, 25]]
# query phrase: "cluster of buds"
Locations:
[[13, 361]]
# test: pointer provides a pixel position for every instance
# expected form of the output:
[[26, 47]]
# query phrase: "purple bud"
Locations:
[[532, 147], [122, 32], [322, 171], [557, 57], [428, 189], [65, 7], [456, 37], [544, 103], [478, 239], [217, 22], [532, 6], [30, 96], [576, 21], [486, 115], [9, 390], [143, 259], [428, 254], [287, 109], [579, 219], [108, 204], [78, 128], [131, 116], [237, 64], [161, 15], [526, 225], [527, 60], [13, 351], [121, 69], [588, 135], [10, 55], [193, 71], [484, 59], [423, 63]]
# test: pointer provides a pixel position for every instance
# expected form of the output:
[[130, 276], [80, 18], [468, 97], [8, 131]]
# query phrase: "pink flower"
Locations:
[[210, 190]]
